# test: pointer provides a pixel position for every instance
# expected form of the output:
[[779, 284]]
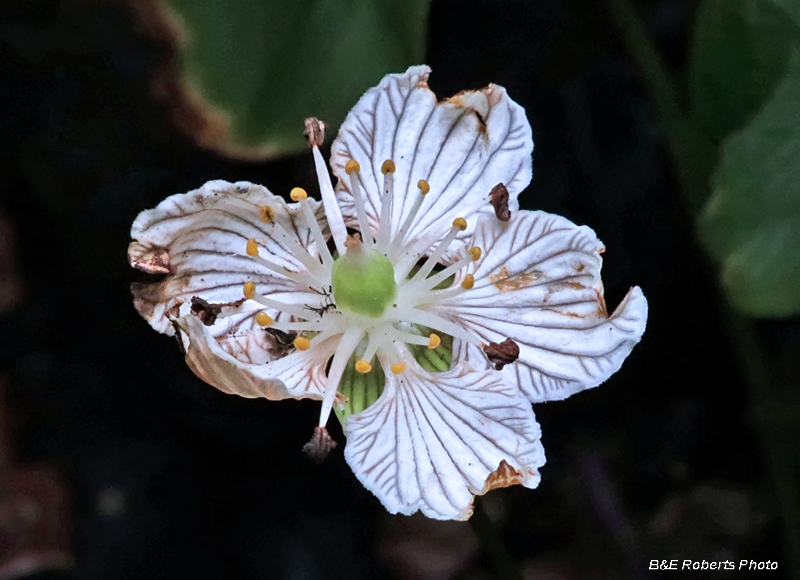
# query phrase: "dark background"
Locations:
[[140, 470]]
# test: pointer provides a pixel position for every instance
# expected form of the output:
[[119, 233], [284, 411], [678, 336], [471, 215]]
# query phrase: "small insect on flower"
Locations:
[[431, 330]]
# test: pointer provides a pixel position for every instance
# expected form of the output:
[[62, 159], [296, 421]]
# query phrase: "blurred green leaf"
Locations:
[[248, 72], [740, 52], [751, 223]]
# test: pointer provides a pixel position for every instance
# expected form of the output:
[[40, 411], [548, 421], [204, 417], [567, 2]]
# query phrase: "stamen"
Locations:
[[468, 282], [435, 341], [352, 168], [252, 247], [264, 319], [301, 343], [300, 194], [385, 227], [459, 225], [397, 243], [267, 214], [249, 291], [398, 368], [347, 345], [300, 277], [428, 284], [436, 322], [316, 129], [363, 366]]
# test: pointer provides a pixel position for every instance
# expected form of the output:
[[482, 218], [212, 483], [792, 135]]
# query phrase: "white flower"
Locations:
[[435, 274]]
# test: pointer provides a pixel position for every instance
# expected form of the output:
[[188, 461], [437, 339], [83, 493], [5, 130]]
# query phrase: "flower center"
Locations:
[[363, 280]]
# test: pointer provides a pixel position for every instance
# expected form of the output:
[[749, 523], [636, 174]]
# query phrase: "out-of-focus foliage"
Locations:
[[751, 224], [745, 90], [246, 73], [740, 51]]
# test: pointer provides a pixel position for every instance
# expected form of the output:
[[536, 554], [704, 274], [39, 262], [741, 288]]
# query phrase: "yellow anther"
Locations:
[[398, 368], [388, 166], [267, 214], [264, 319], [434, 341], [301, 343], [475, 253], [424, 186], [351, 167], [249, 290], [468, 282], [252, 247], [363, 366], [298, 193], [460, 223]]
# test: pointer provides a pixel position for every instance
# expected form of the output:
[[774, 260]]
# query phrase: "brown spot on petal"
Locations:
[[499, 196], [576, 286], [503, 476], [506, 283], [315, 132], [502, 354], [320, 446], [153, 260]]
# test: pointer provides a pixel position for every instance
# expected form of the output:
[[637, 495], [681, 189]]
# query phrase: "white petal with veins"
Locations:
[[539, 285], [432, 442], [300, 374], [203, 235], [463, 146]]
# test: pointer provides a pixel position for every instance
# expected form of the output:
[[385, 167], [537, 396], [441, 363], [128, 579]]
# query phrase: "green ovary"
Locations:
[[363, 282]]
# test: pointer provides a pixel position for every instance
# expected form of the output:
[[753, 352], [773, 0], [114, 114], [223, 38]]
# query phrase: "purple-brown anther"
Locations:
[[320, 446], [502, 354], [315, 132], [499, 196]]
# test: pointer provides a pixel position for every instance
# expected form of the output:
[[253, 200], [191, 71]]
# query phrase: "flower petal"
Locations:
[[298, 375], [539, 285], [198, 239], [463, 146], [433, 441]]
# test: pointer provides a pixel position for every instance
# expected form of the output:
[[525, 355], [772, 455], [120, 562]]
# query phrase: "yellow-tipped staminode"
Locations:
[[434, 341], [264, 319], [301, 343], [363, 366], [351, 167], [252, 247], [388, 167], [298, 193], [249, 290], [267, 213]]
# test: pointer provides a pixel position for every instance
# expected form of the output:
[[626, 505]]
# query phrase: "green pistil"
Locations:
[[363, 281]]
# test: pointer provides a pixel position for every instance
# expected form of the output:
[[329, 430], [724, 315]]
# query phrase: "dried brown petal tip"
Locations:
[[153, 260], [208, 312], [320, 445], [502, 354], [503, 476], [315, 132], [499, 195]]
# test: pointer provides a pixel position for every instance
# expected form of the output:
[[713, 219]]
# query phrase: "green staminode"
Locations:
[[363, 280]]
